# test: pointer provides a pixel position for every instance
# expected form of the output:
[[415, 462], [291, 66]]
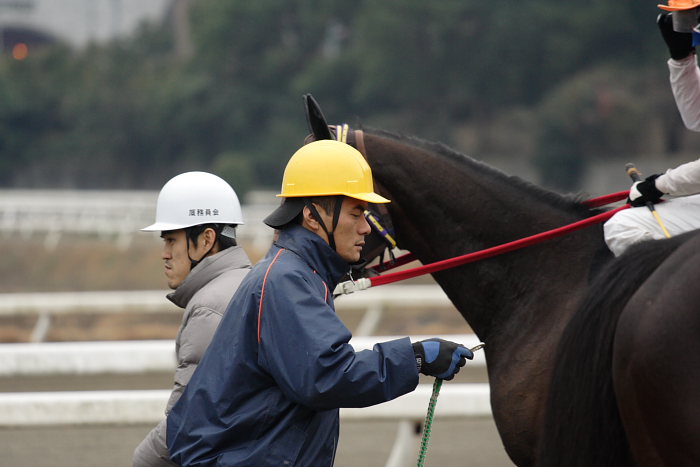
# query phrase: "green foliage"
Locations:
[[132, 114], [609, 118], [235, 169]]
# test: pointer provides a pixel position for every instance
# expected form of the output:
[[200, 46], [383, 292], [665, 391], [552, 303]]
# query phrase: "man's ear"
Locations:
[[309, 220], [208, 236]]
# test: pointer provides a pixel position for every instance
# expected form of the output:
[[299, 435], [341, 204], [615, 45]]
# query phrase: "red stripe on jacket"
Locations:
[[262, 293]]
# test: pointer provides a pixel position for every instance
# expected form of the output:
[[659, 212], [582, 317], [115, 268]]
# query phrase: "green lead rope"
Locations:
[[427, 426]]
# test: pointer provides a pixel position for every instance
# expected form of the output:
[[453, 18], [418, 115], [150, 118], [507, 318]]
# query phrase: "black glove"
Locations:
[[680, 44], [440, 358], [644, 192]]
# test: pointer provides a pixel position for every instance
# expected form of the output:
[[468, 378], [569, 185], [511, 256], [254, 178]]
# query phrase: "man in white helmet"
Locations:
[[268, 390], [197, 214]]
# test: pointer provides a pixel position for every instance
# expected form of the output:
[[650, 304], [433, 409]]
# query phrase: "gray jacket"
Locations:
[[204, 294]]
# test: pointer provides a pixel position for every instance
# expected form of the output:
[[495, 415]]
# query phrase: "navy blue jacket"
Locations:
[[268, 389]]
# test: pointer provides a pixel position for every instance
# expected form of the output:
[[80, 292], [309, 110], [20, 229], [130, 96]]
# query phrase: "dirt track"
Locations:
[[471, 443]]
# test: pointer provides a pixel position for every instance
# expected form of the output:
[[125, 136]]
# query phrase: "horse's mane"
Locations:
[[582, 386], [571, 203]]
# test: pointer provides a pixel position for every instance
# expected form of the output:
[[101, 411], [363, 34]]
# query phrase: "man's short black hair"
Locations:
[[328, 204]]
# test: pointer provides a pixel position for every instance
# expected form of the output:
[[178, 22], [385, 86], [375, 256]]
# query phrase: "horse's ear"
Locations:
[[315, 119]]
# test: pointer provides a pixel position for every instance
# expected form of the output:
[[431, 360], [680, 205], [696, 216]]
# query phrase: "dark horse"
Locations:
[[592, 361]]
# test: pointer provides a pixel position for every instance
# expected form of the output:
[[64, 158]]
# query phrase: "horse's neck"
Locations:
[[518, 303], [444, 208]]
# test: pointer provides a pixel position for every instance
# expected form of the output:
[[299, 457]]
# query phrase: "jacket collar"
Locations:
[[206, 270], [328, 264]]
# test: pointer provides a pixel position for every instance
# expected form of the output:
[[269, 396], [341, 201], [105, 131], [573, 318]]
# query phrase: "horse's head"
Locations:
[[381, 238]]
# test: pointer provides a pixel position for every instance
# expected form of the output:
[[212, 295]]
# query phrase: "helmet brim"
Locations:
[[370, 198], [167, 226], [285, 213], [676, 8], [162, 227]]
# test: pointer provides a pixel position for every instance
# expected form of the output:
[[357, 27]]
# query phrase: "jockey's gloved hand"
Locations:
[[644, 192], [680, 44], [440, 358]]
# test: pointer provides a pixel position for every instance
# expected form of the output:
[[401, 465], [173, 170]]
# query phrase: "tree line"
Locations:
[[558, 83]]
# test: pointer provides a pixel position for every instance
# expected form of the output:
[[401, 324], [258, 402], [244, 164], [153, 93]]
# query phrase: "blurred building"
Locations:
[[29, 23]]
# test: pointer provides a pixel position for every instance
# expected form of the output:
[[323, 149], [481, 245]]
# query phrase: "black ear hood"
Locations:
[[318, 126]]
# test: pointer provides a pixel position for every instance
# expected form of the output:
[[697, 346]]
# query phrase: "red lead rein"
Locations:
[[365, 283]]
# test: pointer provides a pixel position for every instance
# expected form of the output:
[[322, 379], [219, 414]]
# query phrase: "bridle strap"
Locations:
[[360, 142], [372, 219], [358, 138]]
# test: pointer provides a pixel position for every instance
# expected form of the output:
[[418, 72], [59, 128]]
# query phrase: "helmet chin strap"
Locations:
[[336, 217]]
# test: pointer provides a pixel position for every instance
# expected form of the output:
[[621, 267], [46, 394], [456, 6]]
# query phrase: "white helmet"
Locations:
[[195, 198]]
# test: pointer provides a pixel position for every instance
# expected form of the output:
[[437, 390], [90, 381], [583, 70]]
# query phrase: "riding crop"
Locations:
[[636, 176]]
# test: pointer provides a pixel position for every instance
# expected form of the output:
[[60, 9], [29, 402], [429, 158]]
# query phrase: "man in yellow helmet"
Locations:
[[268, 390]]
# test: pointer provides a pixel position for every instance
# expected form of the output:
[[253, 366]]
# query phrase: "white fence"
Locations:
[[116, 213], [413, 296], [146, 406], [374, 301], [133, 407], [119, 357], [139, 407]]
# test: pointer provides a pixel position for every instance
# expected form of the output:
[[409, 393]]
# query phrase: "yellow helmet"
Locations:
[[323, 168], [329, 168]]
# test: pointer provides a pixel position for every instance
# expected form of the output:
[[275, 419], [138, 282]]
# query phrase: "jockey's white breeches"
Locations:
[[635, 225]]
